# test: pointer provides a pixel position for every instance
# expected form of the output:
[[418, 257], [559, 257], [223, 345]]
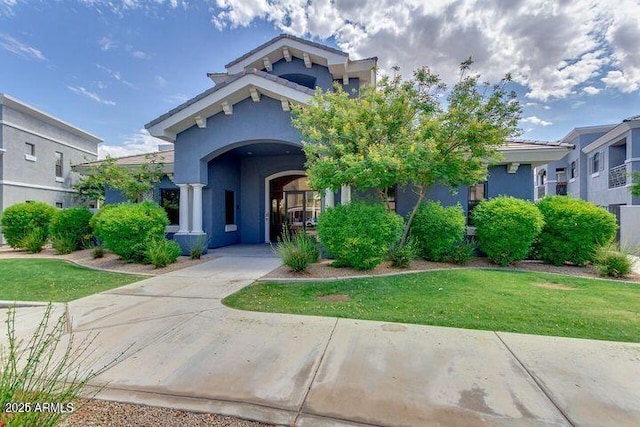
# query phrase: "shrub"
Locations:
[[438, 230], [402, 256], [611, 262], [163, 252], [63, 244], [573, 231], [297, 251], [97, 252], [197, 246], [463, 252], [126, 229], [33, 241], [359, 235], [47, 366], [506, 228], [19, 219], [73, 225]]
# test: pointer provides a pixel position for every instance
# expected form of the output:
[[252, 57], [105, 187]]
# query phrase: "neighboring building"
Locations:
[[36, 154], [599, 170], [239, 163]]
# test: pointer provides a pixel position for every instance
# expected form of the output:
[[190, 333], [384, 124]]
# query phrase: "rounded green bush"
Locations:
[[437, 230], [359, 235], [19, 219], [72, 225], [126, 229], [573, 230], [506, 228]]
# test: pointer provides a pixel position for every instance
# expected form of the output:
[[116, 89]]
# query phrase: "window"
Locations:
[[59, 205], [229, 207], [595, 163], [170, 201], [391, 197], [542, 178], [30, 152], [59, 161], [477, 193], [574, 172]]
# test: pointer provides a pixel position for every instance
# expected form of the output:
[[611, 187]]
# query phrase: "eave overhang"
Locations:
[[222, 98], [613, 135]]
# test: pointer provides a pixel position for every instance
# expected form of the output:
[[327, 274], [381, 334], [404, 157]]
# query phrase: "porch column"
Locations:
[[345, 195], [197, 209], [184, 209], [329, 200]]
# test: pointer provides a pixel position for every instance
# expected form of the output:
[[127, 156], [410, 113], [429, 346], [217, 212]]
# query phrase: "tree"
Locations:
[[400, 133], [133, 183], [635, 186]]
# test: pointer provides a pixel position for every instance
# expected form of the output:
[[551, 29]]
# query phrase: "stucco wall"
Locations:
[[322, 76], [224, 174], [630, 227], [250, 121]]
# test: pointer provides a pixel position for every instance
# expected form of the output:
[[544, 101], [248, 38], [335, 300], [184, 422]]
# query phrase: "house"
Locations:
[[239, 164], [36, 153], [599, 170]]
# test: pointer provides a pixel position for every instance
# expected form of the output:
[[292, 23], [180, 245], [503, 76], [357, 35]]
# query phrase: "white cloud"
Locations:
[[91, 95], [160, 81], [590, 90], [137, 143], [107, 43], [139, 54], [534, 120], [115, 75], [552, 48], [15, 46]]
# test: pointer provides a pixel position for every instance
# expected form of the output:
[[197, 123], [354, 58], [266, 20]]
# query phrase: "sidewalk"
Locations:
[[189, 351]]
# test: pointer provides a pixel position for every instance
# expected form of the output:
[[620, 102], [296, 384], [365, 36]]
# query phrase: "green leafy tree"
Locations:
[[400, 133], [635, 186], [133, 183]]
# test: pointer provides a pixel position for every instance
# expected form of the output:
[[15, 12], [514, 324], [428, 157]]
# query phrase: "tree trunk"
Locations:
[[407, 226]]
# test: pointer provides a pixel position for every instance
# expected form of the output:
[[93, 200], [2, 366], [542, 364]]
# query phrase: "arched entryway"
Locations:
[[291, 204]]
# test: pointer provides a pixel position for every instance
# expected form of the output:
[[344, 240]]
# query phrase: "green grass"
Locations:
[[467, 298], [54, 280]]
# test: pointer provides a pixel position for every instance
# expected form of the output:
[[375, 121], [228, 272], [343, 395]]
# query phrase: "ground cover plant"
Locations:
[[523, 302], [54, 280]]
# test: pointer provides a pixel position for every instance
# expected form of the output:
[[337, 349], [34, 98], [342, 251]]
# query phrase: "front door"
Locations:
[[293, 206]]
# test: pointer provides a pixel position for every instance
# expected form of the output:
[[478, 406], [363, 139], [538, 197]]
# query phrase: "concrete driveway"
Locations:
[[186, 350]]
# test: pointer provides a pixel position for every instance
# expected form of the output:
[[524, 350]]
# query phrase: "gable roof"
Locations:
[[165, 158], [271, 42]]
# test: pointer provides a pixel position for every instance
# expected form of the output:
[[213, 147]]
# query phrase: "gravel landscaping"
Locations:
[[103, 413], [323, 269]]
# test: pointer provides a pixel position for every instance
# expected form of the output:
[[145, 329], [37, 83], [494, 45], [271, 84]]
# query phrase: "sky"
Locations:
[[110, 66]]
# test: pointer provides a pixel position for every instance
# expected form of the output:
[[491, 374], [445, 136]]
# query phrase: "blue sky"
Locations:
[[109, 67]]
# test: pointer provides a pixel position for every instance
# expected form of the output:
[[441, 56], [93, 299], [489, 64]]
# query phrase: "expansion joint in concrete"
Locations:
[[315, 373], [537, 382]]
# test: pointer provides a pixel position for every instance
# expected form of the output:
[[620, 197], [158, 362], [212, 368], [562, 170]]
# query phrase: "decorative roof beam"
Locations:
[[267, 63], [345, 79], [307, 60], [255, 95], [285, 104], [201, 122], [227, 108], [286, 54], [513, 167]]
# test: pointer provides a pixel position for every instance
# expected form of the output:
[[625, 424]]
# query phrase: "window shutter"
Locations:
[[602, 162]]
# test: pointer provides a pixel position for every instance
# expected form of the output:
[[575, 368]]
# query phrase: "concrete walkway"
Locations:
[[186, 350]]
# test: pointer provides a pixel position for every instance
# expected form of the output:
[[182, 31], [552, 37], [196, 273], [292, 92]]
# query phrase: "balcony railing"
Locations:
[[618, 176], [542, 191], [561, 189]]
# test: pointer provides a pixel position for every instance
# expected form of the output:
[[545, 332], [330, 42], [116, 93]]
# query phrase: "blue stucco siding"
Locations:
[[250, 121], [503, 183], [223, 175], [254, 171], [321, 75]]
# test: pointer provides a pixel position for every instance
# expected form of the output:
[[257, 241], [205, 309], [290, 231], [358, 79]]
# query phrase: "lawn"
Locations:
[[531, 303], [54, 280]]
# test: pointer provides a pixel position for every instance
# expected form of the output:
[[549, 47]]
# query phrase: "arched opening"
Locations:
[[301, 79], [291, 204]]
